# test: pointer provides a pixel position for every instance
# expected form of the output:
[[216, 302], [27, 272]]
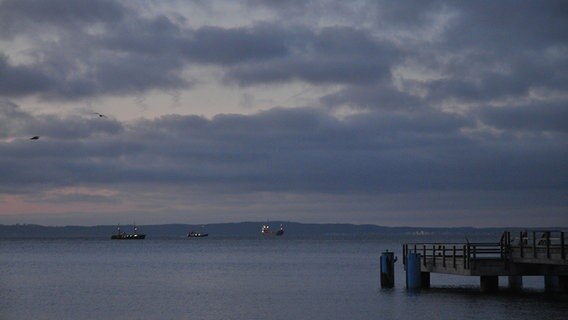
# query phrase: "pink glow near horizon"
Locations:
[[16, 205]]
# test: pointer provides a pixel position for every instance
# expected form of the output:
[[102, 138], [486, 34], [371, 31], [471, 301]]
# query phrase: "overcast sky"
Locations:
[[396, 113]]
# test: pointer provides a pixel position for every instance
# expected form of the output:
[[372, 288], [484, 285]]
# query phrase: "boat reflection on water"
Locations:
[[120, 235]]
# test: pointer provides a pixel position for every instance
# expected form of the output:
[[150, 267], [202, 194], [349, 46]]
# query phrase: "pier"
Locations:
[[524, 253]]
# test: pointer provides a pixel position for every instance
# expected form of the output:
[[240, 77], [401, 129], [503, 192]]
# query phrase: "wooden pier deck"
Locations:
[[528, 253]]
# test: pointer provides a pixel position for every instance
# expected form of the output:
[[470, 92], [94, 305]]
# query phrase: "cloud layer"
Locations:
[[411, 98]]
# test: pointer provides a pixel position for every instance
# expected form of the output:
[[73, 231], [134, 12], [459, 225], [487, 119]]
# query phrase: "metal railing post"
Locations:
[[547, 237], [534, 244], [444, 256], [562, 250], [521, 241], [433, 254], [474, 256], [465, 255], [454, 256]]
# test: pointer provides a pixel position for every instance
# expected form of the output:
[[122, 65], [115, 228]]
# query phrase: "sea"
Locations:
[[242, 278]]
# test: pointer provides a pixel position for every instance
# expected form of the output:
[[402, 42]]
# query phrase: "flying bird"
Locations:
[[34, 138], [100, 115]]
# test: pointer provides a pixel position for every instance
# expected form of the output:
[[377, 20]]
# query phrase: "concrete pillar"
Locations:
[[515, 282], [425, 280], [489, 283], [387, 269], [563, 284], [413, 274], [551, 283]]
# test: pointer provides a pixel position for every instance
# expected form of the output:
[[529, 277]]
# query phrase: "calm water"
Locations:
[[237, 279]]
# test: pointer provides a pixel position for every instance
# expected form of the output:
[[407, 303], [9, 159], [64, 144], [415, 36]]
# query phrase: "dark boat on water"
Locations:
[[120, 235], [194, 234]]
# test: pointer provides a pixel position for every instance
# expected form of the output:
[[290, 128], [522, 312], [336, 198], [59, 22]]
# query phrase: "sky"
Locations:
[[395, 113]]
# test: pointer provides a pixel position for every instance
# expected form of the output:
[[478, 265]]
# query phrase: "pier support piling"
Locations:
[[387, 269], [425, 280], [413, 274], [489, 283], [515, 283], [551, 283], [563, 284]]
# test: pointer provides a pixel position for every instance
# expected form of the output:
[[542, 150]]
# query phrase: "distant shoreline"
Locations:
[[242, 229]]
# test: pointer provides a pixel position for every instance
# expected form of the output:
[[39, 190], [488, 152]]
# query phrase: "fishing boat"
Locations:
[[121, 235], [265, 231], [280, 231], [193, 234]]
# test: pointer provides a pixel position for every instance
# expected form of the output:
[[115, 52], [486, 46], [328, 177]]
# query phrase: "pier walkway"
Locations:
[[527, 253]]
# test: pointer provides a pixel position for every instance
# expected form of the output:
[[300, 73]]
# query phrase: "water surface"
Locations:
[[212, 278]]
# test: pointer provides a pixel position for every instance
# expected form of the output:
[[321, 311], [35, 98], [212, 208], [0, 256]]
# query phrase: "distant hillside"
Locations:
[[241, 229]]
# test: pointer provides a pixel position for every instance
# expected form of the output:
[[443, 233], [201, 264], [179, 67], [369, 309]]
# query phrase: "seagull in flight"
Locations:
[[100, 115], [34, 138]]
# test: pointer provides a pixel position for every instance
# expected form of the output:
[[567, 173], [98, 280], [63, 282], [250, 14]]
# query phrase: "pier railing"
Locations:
[[455, 255], [536, 245], [516, 254], [543, 247]]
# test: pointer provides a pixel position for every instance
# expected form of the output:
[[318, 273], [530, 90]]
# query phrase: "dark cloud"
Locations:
[[21, 80], [121, 51], [13, 120], [22, 16], [473, 79], [336, 55], [314, 71], [509, 25], [151, 36], [282, 150], [542, 117], [496, 51], [483, 52], [91, 48], [278, 4], [232, 46], [448, 96], [378, 96], [17, 123]]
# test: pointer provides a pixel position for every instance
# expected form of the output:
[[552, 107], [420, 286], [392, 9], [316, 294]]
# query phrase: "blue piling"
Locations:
[[413, 274]]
